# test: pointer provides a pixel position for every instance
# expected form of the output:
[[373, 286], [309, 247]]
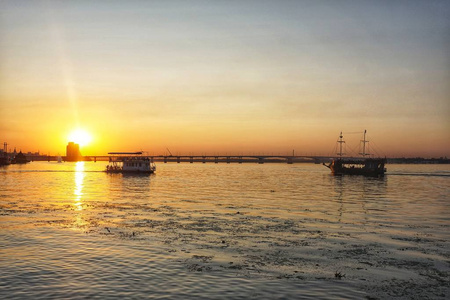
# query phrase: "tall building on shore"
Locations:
[[73, 152]]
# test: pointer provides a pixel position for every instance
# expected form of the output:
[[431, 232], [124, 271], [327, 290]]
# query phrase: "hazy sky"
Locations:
[[226, 76]]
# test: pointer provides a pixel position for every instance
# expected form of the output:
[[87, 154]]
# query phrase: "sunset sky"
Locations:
[[206, 77]]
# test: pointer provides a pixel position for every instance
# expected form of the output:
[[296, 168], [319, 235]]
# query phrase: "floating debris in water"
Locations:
[[339, 275]]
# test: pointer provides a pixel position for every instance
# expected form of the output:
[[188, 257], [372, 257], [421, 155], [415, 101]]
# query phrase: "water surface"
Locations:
[[223, 231]]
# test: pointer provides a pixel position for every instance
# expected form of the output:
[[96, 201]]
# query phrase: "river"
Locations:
[[223, 231]]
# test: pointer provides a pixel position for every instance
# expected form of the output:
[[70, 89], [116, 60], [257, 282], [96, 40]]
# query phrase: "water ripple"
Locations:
[[223, 231]]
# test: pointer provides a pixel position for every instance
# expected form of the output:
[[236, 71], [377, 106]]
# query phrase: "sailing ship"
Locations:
[[130, 162], [19, 158], [357, 166]]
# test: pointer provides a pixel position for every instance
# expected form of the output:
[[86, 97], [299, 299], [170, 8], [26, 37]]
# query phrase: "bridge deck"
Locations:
[[228, 158]]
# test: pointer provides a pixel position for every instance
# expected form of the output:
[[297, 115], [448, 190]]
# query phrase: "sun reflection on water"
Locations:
[[79, 178]]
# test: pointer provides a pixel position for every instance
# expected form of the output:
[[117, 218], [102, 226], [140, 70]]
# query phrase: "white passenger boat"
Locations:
[[130, 162]]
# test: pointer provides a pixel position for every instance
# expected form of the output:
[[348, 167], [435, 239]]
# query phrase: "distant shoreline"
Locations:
[[210, 159]]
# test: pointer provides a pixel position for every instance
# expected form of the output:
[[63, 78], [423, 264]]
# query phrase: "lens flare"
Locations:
[[80, 137]]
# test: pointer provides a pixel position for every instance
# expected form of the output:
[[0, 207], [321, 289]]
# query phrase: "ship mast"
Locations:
[[364, 145], [340, 141]]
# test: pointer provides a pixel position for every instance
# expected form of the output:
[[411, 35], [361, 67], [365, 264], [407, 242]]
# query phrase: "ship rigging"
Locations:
[[357, 166]]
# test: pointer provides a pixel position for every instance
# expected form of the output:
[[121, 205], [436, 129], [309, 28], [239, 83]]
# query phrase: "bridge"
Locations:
[[260, 159]]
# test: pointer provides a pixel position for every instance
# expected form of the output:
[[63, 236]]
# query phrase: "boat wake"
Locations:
[[438, 174]]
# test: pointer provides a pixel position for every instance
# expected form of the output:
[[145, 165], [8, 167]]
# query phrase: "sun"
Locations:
[[80, 137]]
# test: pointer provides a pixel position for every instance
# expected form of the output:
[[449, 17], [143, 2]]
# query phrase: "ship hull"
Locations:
[[4, 161], [19, 162], [130, 172], [130, 165], [366, 167]]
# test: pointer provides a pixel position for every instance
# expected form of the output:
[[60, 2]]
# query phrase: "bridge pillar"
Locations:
[[228, 159], [216, 159], [178, 159], [204, 159], [290, 160], [191, 160], [240, 159], [260, 160], [151, 159], [95, 159], [165, 159]]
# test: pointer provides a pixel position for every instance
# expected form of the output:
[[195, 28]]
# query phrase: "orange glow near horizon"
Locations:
[[103, 76]]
